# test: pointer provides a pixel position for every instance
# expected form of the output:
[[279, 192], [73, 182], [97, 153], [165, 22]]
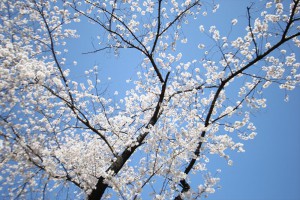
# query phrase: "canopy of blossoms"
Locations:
[[60, 133]]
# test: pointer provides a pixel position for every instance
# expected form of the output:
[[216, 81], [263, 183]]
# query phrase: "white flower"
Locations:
[[268, 45], [216, 35], [40, 76], [234, 22], [201, 46], [283, 51], [201, 28], [178, 57], [252, 135], [269, 5], [184, 40], [57, 82], [267, 84]]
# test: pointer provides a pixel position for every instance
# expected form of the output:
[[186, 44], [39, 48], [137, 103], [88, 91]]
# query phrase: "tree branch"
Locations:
[[116, 166], [184, 184]]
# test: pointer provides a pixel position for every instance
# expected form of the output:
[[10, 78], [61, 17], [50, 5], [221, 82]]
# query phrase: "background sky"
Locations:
[[270, 167]]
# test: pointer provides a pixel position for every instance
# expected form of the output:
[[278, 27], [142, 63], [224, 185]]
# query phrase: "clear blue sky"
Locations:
[[270, 167]]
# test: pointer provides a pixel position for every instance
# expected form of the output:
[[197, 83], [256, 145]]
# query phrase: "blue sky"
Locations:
[[269, 169]]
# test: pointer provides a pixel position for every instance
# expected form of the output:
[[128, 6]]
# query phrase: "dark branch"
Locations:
[[116, 166]]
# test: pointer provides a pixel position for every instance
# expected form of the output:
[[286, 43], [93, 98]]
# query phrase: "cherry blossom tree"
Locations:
[[67, 137]]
